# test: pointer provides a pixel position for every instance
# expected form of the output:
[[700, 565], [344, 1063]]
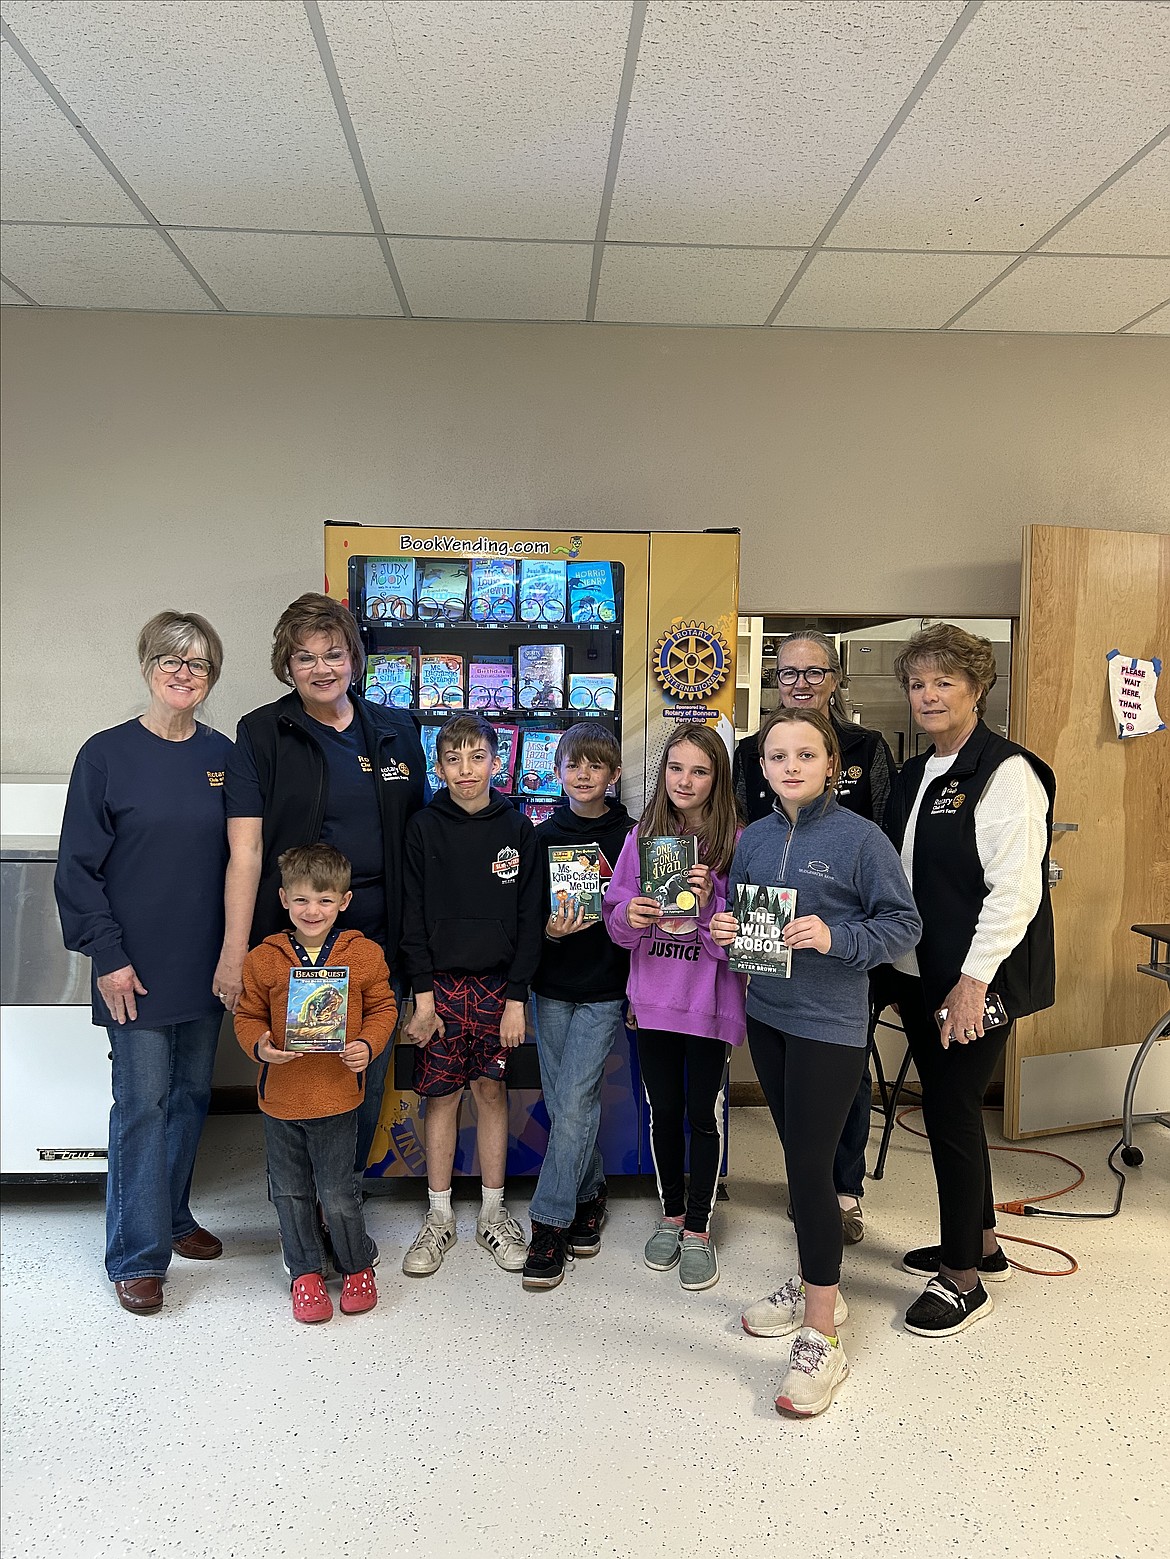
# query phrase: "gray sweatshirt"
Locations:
[[845, 870]]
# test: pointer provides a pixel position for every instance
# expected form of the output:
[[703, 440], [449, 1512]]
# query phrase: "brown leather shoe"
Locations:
[[198, 1246], [140, 1295]]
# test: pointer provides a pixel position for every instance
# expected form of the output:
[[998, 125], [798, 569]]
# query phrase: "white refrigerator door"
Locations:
[[54, 1092]]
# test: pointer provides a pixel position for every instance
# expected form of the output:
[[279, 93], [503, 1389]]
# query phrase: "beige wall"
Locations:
[[189, 461]]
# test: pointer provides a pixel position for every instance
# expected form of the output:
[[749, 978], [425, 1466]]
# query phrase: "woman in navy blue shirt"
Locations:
[[139, 885]]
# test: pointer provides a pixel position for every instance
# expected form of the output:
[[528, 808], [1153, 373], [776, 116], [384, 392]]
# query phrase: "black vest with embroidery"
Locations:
[[949, 885]]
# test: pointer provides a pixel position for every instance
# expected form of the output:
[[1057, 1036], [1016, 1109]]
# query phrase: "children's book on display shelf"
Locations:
[[762, 913], [591, 594], [440, 682], [540, 676], [392, 678], [442, 590], [595, 690], [493, 590], [575, 880], [315, 1015], [491, 684], [389, 589], [429, 735], [538, 775], [665, 861], [508, 752], [538, 812], [543, 590]]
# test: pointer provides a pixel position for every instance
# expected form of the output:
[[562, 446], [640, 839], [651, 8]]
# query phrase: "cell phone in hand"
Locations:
[[994, 1013]]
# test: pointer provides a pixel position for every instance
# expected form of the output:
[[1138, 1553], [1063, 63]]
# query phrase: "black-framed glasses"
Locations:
[[789, 676], [199, 668]]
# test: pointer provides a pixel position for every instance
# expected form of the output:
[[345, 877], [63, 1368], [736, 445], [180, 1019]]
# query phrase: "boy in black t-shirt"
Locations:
[[580, 998], [472, 916]]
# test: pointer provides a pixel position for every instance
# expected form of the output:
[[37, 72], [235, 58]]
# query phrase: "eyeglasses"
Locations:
[[789, 676], [303, 661], [199, 669]]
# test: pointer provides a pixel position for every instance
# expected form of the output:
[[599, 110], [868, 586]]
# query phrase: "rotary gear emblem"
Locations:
[[691, 660]]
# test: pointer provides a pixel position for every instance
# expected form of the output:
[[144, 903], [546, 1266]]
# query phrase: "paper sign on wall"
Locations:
[[1133, 687]]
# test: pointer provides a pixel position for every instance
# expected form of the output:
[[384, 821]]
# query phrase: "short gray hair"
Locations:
[[180, 633], [838, 702]]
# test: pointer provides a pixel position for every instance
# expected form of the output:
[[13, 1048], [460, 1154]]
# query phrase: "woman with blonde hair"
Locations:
[[139, 885]]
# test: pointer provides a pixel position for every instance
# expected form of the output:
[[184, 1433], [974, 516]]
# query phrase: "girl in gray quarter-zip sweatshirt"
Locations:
[[846, 871]]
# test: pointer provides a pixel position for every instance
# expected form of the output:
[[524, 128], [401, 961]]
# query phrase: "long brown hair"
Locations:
[[720, 825], [819, 722]]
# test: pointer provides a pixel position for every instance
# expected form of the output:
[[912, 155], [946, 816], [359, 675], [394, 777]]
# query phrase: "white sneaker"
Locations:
[[782, 1312], [816, 1367], [505, 1239], [431, 1243]]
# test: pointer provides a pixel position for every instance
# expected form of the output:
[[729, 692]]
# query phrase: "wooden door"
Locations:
[[1086, 592]]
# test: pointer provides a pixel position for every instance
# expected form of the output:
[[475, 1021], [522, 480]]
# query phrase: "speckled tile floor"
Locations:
[[616, 1416]]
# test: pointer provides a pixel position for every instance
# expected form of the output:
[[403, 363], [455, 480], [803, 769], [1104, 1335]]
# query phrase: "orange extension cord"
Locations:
[[1017, 1208]]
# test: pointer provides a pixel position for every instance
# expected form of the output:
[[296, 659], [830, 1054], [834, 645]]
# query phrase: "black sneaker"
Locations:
[[585, 1231], [926, 1263], [544, 1266], [942, 1311]]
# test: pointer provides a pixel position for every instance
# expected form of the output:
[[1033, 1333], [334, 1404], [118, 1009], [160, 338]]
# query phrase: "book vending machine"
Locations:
[[536, 630]]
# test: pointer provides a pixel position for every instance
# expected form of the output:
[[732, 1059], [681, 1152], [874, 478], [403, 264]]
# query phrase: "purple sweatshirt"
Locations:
[[679, 979]]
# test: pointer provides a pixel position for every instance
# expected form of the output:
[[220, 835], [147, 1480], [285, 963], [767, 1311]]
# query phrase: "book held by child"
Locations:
[[762, 912], [665, 862], [575, 881], [318, 1000]]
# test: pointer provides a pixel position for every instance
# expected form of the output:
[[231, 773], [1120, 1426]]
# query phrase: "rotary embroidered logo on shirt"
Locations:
[[396, 771], [506, 865], [215, 778], [364, 764]]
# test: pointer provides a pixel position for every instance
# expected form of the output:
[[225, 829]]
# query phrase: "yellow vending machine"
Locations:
[[536, 630]]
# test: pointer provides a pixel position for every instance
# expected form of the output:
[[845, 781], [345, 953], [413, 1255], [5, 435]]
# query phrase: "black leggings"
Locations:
[[953, 1084], [685, 1078], [809, 1086]]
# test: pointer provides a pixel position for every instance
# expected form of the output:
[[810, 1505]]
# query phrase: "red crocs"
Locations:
[[359, 1293], [310, 1300]]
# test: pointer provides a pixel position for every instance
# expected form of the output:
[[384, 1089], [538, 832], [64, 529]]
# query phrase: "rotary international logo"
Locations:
[[691, 660], [957, 801], [853, 772]]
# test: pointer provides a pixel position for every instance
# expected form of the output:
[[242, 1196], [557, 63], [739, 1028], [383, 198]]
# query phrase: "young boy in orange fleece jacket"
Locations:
[[310, 1101]]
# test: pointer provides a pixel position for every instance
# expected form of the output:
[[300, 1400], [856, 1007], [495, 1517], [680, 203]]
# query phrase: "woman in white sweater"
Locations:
[[972, 817]]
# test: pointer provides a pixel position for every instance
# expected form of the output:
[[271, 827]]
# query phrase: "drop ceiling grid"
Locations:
[[1134, 211], [1035, 107], [216, 113], [679, 286], [293, 273], [1155, 324], [1047, 294], [499, 128], [886, 291], [749, 121], [10, 296], [447, 279], [49, 172], [101, 268]]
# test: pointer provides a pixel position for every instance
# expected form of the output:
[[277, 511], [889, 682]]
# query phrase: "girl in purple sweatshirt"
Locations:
[[687, 1004]]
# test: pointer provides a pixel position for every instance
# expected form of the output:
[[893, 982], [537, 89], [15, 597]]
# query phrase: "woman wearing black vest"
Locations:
[[320, 764], [972, 817], [809, 674]]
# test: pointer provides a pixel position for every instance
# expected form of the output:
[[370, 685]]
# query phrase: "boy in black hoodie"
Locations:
[[471, 942], [580, 996]]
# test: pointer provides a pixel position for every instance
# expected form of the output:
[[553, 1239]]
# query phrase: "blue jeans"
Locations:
[[161, 1082], [370, 1109], [311, 1162], [574, 1040], [849, 1160]]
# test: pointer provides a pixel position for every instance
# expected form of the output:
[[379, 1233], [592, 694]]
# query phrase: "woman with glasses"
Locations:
[[139, 884], [322, 765], [809, 675]]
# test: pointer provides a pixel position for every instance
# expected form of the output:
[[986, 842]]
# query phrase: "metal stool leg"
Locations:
[[879, 1168]]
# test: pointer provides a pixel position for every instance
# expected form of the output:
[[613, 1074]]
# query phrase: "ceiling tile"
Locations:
[[217, 113], [98, 268], [1046, 293], [1158, 323], [887, 291], [748, 122], [452, 280], [482, 119], [1034, 107], [692, 286], [7, 295], [1131, 217], [50, 174], [286, 273]]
